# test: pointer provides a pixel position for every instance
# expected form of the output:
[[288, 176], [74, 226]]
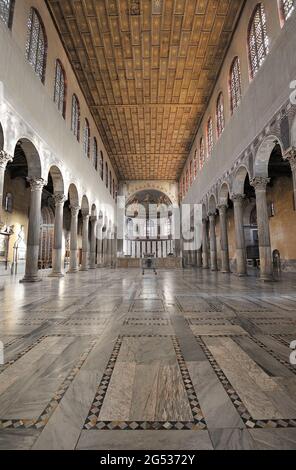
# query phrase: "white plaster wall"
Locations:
[[262, 97], [27, 110]]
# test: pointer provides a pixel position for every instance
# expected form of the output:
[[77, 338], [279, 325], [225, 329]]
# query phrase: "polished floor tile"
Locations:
[[113, 360]]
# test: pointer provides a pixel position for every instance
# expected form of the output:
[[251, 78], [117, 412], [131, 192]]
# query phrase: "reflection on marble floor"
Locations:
[[113, 360]]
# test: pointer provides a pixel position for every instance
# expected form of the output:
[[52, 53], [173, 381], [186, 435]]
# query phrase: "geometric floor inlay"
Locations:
[[196, 422], [203, 355], [44, 417], [237, 401]]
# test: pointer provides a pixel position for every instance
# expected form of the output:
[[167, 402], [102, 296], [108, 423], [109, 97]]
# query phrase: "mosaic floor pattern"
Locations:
[[184, 360]]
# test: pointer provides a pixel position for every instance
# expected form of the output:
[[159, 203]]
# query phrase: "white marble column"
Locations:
[[224, 238], [113, 239], [205, 247], [57, 270], [4, 159], [213, 241], [266, 265], [85, 253], [104, 246], [115, 248], [290, 156], [74, 239], [108, 248], [33, 243], [93, 242], [241, 259], [99, 244]]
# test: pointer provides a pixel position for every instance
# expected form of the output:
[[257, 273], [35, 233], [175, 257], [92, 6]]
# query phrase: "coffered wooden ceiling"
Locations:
[[147, 69]]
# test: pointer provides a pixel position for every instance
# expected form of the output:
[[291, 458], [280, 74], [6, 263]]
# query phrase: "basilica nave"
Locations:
[[147, 225]]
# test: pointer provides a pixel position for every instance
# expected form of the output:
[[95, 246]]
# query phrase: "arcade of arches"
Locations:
[[147, 224]]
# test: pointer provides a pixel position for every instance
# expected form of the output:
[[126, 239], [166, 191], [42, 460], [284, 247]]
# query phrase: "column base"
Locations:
[[73, 271], [57, 275], [29, 279], [92, 267], [84, 270], [226, 271]]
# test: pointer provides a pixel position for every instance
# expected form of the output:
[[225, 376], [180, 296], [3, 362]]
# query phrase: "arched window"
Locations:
[[106, 175], [102, 166], [195, 164], [210, 137], [184, 186], [75, 119], [220, 115], [113, 188], [110, 182], [6, 11], [286, 9], [235, 84], [201, 152], [187, 180], [60, 88], [86, 139], [36, 44], [258, 40], [191, 172], [95, 156]]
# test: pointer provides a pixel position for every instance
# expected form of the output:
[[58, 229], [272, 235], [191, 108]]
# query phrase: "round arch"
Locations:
[[32, 157], [73, 195], [94, 211], [57, 179], [239, 180], [145, 191], [85, 205], [224, 193], [263, 155], [212, 204]]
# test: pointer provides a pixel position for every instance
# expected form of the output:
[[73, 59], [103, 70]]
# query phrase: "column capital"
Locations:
[[37, 184], [260, 183], [212, 214], [93, 218], [237, 198], [290, 156], [222, 207], [4, 158], [85, 214], [59, 199], [74, 210]]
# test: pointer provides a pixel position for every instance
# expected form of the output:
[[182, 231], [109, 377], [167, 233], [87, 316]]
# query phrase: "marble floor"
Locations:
[[111, 359]]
